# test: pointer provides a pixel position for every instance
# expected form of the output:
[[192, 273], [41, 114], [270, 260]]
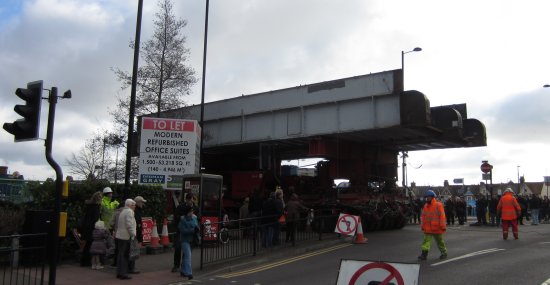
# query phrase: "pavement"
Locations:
[[155, 269]]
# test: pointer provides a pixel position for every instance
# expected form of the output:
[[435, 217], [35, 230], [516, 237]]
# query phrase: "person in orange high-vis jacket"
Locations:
[[508, 209], [434, 225]]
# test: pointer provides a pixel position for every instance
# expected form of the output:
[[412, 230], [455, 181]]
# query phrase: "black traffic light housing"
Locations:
[[27, 128]]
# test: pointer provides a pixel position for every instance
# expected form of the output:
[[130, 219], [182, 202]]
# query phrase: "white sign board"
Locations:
[[168, 149], [355, 272], [346, 224]]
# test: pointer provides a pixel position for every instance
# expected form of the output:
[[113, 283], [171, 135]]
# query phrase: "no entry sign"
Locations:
[[354, 272], [346, 224]]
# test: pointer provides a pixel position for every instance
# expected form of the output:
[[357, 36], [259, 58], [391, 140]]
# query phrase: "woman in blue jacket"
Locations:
[[188, 227]]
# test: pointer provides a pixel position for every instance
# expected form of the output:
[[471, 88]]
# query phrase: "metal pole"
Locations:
[[518, 180], [132, 103], [116, 166], [54, 230], [416, 49], [103, 159], [404, 169], [201, 123]]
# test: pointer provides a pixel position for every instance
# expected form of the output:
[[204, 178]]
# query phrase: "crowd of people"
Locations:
[[110, 227], [507, 210], [533, 208]]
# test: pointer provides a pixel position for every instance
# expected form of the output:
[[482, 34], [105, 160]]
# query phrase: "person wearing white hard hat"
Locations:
[[509, 209], [108, 206]]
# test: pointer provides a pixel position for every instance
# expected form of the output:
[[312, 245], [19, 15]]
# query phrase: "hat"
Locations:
[[100, 225], [139, 199], [509, 190], [430, 193], [107, 190]]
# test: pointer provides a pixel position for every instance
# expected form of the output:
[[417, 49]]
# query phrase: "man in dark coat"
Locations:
[[270, 217], [91, 215], [461, 210], [481, 210], [450, 210], [495, 219], [534, 204], [138, 214], [523, 204]]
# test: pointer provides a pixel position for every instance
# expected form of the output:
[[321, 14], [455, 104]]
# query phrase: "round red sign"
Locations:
[[486, 167]]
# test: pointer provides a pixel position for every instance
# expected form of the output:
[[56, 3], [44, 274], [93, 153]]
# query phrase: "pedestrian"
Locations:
[[493, 217], [522, 201], [113, 225], [544, 209], [293, 209], [256, 203], [279, 207], [188, 228], [481, 210], [178, 213], [108, 206], [418, 204], [270, 217], [244, 223], [124, 233], [434, 225], [535, 204], [461, 210], [138, 214], [91, 215], [509, 210], [99, 244], [450, 210]]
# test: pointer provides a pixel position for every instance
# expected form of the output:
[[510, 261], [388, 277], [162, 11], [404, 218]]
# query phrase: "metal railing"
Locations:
[[222, 241], [23, 259]]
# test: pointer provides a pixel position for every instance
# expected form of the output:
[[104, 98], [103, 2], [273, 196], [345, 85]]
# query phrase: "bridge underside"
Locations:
[[362, 121]]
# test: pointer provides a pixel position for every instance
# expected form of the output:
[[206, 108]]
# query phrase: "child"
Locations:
[[99, 244]]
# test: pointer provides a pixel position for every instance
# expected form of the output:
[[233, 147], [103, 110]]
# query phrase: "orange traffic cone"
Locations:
[[164, 240], [359, 237], [155, 236]]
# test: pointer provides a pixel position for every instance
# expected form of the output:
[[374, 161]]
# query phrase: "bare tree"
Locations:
[[164, 79], [88, 162]]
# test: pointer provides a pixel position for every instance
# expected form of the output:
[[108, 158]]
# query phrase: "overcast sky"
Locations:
[[492, 55]]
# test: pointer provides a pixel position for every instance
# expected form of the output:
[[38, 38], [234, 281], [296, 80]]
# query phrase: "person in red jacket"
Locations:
[[434, 225], [508, 209]]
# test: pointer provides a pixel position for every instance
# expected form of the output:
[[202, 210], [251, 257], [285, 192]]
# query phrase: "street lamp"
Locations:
[[405, 153], [403, 61], [518, 180]]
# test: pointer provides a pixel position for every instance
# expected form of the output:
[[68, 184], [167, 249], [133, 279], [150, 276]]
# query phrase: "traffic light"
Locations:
[[27, 128]]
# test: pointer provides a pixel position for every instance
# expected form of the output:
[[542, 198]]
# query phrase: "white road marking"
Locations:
[[469, 255], [545, 242], [547, 282]]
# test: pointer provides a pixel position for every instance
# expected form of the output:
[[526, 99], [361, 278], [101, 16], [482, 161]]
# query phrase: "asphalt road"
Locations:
[[477, 255]]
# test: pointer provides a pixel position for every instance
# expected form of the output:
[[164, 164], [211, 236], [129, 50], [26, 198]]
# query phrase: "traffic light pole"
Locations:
[[54, 230]]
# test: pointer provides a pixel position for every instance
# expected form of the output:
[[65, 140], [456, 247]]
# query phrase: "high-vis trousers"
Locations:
[[438, 239]]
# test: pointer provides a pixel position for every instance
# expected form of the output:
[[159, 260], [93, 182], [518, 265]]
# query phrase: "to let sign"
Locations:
[[169, 148]]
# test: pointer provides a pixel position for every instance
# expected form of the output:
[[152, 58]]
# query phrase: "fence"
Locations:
[[222, 241], [23, 259]]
